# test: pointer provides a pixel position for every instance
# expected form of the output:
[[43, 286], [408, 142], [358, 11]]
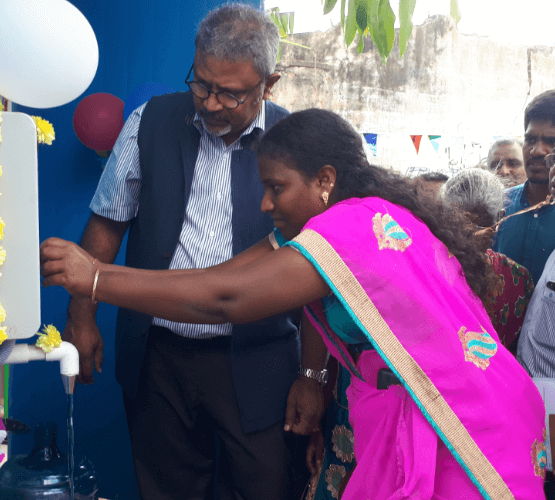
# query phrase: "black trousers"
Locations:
[[185, 397]]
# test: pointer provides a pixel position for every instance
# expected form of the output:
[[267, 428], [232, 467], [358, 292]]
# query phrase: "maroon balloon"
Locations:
[[98, 120]]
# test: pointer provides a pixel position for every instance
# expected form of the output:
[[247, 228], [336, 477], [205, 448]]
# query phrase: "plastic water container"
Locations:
[[44, 472]]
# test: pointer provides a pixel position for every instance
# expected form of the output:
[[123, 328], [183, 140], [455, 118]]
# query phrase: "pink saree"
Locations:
[[467, 422]]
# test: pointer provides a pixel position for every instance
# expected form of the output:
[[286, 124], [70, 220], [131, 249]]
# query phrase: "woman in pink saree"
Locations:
[[439, 408]]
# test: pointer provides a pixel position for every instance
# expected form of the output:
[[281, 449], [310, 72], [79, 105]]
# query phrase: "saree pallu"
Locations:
[[463, 394]]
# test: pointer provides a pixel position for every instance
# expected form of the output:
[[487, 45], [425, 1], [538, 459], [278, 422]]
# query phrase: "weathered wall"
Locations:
[[446, 84]]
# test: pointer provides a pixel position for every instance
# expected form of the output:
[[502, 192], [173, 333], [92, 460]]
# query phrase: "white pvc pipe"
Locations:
[[66, 354]]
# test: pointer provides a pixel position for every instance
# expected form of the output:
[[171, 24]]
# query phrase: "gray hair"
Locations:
[[475, 190], [507, 141], [237, 32]]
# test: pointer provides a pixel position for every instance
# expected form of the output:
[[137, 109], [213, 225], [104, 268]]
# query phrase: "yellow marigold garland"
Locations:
[[45, 130], [50, 339]]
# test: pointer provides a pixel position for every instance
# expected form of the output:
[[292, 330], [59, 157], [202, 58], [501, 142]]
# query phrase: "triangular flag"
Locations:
[[416, 141], [434, 139], [372, 140]]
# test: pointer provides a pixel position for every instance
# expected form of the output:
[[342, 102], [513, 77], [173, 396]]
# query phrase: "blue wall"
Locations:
[[140, 41]]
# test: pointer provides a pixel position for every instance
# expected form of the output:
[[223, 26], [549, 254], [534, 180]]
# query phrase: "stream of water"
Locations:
[[70, 446]]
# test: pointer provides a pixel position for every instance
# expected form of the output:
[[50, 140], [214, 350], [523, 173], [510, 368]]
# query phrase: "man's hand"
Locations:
[[85, 336], [63, 263], [305, 406], [315, 453]]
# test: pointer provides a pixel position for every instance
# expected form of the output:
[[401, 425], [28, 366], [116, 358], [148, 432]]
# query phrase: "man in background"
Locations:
[[430, 183], [529, 238], [506, 160]]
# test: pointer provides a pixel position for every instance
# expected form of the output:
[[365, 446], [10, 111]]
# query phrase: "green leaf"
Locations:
[[382, 26], [291, 19], [343, 15], [350, 23], [284, 22], [455, 11], [406, 10], [329, 5], [360, 46], [279, 53], [374, 24], [362, 16]]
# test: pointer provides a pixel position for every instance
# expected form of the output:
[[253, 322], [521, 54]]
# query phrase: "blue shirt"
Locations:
[[529, 238], [516, 199]]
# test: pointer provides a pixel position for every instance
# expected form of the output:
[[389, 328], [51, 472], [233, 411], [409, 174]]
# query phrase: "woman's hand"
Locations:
[[64, 263]]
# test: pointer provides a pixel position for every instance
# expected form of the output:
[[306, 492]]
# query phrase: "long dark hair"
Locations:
[[310, 139]]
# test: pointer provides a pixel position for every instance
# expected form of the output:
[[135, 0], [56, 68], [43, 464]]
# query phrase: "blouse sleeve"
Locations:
[[276, 239]]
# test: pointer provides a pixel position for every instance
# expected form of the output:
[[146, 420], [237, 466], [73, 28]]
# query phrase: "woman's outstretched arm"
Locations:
[[277, 282]]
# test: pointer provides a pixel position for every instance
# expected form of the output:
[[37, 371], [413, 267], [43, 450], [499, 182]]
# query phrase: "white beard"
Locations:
[[219, 131]]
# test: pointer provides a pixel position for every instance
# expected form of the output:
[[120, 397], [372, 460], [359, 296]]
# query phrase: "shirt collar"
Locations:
[[523, 199], [258, 122]]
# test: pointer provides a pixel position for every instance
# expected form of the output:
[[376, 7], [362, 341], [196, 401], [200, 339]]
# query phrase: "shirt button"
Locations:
[[535, 216], [211, 233], [167, 255], [219, 196]]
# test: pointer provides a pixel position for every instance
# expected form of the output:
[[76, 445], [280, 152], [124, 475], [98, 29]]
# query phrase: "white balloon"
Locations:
[[48, 52]]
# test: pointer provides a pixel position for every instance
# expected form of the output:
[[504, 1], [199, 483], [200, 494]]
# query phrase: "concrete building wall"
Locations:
[[468, 88]]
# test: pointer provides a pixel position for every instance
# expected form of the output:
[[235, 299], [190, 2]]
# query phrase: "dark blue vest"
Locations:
[[265, 355]]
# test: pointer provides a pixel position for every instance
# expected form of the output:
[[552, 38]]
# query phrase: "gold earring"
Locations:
[[325, 197]]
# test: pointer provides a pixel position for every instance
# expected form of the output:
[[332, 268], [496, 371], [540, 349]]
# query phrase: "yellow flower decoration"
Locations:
[[2, 224], [3, 334], [50, 339], [2, 255], [2, 314], [45, 130], [1, 171]]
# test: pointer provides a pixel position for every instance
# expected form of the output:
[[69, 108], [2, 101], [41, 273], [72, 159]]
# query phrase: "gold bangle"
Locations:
[[95, 282]]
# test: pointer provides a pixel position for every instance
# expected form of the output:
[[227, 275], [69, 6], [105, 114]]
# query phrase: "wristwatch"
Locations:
[[321, 377]]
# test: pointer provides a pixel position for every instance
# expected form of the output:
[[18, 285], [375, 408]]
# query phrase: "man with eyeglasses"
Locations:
[[529, 238], [505, 160], [183, 178]]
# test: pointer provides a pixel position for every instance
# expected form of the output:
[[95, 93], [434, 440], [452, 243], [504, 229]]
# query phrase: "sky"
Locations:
[[523, 22]]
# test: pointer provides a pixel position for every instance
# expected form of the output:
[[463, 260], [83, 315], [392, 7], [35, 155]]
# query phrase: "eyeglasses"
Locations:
[[511, 163], [226, 100]]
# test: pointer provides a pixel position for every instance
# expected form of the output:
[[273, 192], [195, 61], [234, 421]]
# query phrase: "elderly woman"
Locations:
[[439, 408], [480, 195]]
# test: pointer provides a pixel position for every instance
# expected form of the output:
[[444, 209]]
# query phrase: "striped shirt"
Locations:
[[536, 347], [206, 235]]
